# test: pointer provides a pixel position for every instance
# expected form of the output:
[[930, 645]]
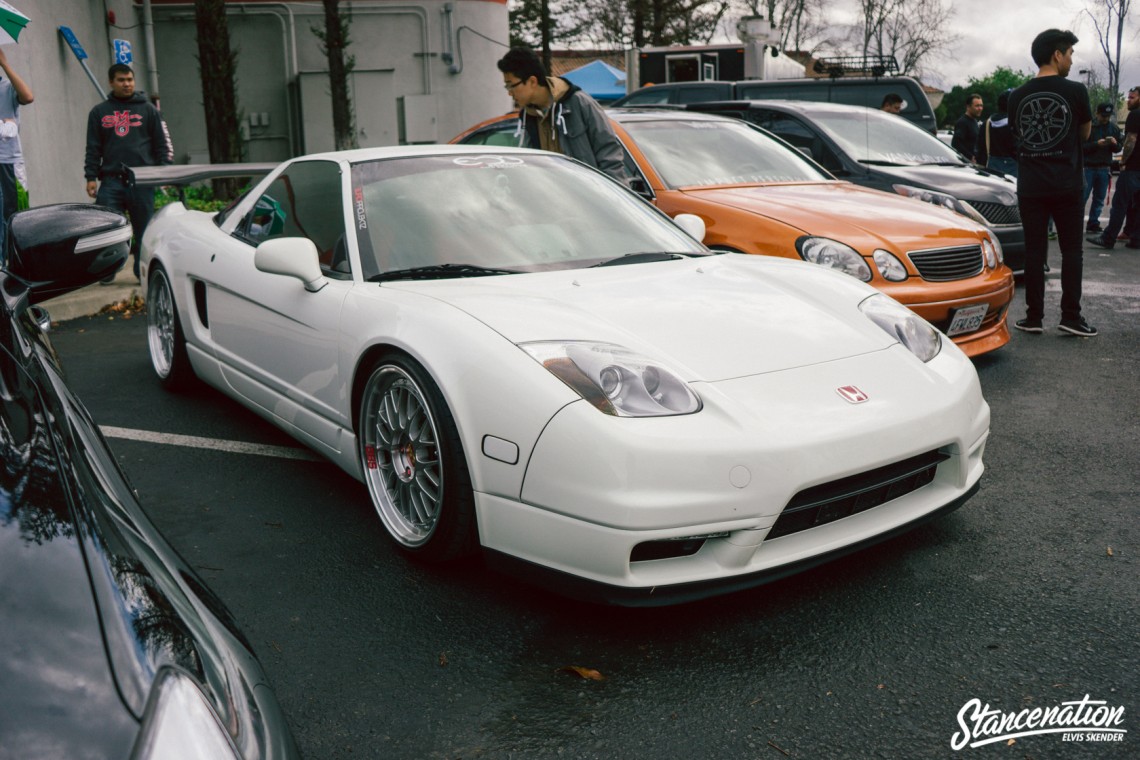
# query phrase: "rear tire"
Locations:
[[164, 336], [413, 463]]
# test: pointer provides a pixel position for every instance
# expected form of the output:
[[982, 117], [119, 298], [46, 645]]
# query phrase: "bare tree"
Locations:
[[1109, 17], [915, 35], [334, 41], [910, 30], [540, 24], [799, 22], [217, 66], [641, 23]]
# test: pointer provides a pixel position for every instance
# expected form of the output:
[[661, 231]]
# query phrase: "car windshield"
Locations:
[[457, 214], [697, 153], [874, 137]]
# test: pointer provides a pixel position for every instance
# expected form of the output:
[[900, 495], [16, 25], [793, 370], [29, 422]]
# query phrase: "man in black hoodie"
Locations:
[[123, 131]]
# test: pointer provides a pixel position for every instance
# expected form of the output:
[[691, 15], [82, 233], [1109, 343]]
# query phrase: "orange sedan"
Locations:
[[757, 194]]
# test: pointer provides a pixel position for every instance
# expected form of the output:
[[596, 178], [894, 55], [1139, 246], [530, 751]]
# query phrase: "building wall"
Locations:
[[399, 49], [403, 89], [53, 128]]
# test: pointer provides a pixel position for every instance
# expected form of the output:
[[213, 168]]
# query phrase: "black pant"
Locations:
[[135, 202], [1068, 215]]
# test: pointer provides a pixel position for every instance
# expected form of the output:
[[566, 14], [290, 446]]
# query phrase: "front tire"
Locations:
[[413, 463], [164, 336]]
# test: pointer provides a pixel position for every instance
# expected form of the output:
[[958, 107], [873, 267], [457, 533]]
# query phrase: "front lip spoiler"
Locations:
[[586, 590]]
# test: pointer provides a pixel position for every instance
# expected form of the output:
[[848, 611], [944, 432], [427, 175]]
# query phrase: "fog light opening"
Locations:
[[671, 548]]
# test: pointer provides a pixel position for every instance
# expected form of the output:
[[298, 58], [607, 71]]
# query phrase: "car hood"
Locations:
[[712, 318], [859, 216], [965, 182]]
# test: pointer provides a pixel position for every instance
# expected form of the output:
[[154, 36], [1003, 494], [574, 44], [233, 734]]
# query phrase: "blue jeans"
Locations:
[[1126, 195], [1096, 185], [8, 203], [135, 202], [1003, 164]]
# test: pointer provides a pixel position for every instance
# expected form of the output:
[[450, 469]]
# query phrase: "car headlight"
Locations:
[[181, 723], [904, 325], [991, 247], [834, 255], [940, 199], [889, 266], [614, 379]]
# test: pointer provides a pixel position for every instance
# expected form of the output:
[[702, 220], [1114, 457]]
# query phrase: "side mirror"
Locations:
[[63, 247], [293, 257], [691, 224]]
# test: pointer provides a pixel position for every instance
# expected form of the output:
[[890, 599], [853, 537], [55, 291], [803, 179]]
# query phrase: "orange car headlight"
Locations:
[[834, 255]]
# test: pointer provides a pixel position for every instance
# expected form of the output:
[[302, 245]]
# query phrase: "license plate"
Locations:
[[967, 319]]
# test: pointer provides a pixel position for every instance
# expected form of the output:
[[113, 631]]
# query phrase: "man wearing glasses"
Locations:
[[558, 116]]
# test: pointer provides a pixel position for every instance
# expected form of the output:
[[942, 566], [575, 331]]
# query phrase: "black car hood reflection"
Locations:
[[59, 696], [75, 675], [968, 183]]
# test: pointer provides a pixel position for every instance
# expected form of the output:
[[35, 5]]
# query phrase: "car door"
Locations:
[[278, 343]]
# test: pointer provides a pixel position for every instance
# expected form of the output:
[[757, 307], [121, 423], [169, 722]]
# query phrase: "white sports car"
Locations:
[[517, 354]]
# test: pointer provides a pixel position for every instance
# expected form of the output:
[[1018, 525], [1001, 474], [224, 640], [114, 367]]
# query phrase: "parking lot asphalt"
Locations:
[[1027, 597]]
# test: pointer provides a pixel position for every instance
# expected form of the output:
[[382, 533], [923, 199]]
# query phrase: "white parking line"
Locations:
[[214, 444]]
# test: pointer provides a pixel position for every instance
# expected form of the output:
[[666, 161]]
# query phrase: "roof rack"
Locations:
[[857, 65]]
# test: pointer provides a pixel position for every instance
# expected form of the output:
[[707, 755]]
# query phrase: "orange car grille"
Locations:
[[948, 263], [996, 213], [848, 496]]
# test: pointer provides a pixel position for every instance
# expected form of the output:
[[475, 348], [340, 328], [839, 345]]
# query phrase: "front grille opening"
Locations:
[[670, 548], [997, 213], [841, 498], [947, 264]]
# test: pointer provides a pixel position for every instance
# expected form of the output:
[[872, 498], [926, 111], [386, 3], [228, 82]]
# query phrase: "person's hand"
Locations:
[[91, 188], [3, 59]]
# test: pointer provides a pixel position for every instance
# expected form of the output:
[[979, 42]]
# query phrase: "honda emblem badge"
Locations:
[[852, 394]]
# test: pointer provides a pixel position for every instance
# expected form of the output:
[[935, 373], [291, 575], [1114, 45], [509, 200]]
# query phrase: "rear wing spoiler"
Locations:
[[181, 175]]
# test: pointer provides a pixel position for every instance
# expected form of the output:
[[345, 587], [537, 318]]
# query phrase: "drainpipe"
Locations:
[[151, 55]]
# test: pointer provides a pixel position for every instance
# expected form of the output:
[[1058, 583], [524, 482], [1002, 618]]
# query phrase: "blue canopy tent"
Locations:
[[601, 81]]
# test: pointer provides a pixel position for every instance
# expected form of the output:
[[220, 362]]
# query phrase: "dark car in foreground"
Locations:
[[877, 149], [111, 646]]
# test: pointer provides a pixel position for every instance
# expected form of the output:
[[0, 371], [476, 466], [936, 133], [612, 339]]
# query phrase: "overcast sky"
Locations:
[[999, 32]]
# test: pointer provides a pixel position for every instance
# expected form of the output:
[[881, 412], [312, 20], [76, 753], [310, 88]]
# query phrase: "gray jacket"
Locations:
[[583, 131]]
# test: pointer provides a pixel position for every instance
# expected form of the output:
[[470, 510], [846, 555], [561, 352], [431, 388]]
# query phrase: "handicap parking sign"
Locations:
[[123, 51]]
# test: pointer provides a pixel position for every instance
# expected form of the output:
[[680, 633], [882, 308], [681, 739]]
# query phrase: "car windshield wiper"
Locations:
[[874, 162], [438, 272], [642, 257]]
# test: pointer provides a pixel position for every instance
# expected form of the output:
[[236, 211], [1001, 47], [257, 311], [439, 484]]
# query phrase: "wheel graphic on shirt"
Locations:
[[1043, 120]]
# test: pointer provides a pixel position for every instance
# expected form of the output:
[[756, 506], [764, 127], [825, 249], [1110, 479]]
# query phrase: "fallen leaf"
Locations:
[[881, 686], [587, 673], [1011, 742], [443, 659], [1110, 551]]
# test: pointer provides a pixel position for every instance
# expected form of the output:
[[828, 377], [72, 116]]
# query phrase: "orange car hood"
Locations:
[[858, 216]]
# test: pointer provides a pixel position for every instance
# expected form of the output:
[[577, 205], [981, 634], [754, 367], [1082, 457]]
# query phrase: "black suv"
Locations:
[[878, 149]]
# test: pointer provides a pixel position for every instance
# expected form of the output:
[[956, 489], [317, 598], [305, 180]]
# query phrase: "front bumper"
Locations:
[[597, 486]]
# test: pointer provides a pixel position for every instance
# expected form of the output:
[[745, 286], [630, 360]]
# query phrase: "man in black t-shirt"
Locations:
[[1127, 193], [1051, 118]]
